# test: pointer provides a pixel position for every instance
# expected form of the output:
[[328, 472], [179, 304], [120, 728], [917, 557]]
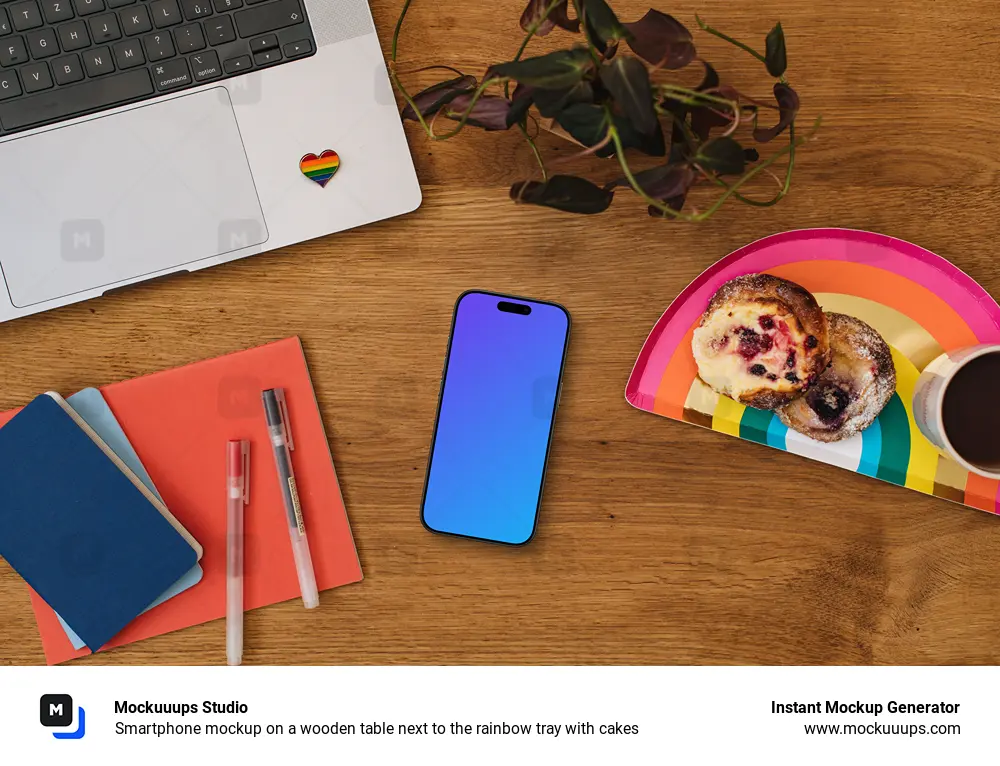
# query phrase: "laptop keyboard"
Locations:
[[66, 58]]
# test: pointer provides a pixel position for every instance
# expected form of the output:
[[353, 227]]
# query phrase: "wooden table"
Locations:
[[658, 542]]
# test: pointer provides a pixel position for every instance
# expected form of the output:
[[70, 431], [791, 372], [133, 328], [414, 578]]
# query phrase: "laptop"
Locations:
[[143, 138]]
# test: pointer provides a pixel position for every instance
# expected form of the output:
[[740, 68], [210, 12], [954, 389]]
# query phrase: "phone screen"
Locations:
[[498, 402]]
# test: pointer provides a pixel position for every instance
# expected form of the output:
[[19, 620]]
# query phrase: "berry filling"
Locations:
[[753, 343], [829, 402]]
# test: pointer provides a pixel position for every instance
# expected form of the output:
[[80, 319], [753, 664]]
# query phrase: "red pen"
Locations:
[[237, 495]]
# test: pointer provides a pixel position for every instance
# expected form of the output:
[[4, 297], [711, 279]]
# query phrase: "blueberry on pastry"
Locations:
[[847, 398], [762, 341]]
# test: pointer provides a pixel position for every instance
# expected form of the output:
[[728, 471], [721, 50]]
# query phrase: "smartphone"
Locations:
[[499, 394]]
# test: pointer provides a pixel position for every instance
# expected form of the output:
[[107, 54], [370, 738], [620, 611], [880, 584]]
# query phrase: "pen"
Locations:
[[276, 412], [237, 495]]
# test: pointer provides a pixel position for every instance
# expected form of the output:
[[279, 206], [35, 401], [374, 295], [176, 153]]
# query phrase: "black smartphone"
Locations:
[[499, 394]]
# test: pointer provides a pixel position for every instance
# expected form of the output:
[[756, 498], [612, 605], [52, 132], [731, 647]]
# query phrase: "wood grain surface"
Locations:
[[658, 542]]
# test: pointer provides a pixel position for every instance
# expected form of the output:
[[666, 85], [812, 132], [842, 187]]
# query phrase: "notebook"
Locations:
[[179, 422], [79, 526], [90, 405]]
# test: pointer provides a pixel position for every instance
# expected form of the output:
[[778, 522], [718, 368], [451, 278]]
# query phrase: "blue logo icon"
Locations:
[[56, 710]]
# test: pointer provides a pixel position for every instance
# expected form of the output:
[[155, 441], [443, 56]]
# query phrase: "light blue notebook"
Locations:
[[90, 405]]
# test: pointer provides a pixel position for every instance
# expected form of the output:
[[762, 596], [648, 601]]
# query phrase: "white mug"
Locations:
[[928, 402]]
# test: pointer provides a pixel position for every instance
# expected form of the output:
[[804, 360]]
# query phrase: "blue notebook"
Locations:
[[90, 405], [79, 526]]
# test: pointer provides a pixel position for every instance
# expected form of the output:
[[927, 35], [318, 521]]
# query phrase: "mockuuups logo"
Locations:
[[56, 711]]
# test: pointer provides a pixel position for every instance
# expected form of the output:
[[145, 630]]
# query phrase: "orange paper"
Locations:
[[179, 422]]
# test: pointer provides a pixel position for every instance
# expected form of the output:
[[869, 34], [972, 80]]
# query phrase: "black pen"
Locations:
[[276, 412]]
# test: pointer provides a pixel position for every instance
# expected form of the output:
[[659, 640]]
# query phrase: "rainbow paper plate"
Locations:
[[919, 302]]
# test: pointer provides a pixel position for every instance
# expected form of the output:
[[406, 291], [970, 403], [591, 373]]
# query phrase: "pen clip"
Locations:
[[286, 423], [245, 448]]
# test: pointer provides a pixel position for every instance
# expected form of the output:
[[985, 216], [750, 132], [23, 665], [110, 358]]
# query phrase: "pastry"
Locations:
[[850, 394], [762, 341]]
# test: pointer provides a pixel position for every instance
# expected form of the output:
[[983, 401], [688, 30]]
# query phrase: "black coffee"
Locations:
[[972, 412]]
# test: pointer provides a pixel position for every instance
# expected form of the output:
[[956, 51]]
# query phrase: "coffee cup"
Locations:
[[956, 405]]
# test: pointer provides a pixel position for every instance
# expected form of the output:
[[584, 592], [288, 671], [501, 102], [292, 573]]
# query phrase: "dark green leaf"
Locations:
[[602, 24], [661, 182], [775, 57], [585, 122], [566, 193], [652, 144], [724, 155], [627, 80], [788, 107], [751, 154], [433, 98], [520, 103], [661, 40], [560, 69], [489, 112], [551, 102], [680, 150]]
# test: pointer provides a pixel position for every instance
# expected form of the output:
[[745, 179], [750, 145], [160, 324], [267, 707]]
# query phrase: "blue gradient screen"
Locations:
[[496, 414]]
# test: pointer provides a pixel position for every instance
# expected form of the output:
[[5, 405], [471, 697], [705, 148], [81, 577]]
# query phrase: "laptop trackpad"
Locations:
[[125, 196]]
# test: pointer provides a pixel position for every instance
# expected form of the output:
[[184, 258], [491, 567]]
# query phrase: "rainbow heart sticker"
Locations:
[[320, 169]]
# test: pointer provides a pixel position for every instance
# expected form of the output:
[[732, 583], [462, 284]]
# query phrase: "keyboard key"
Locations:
[[4, 23], [205, 65], [104, 28], [9, 86], [220, 30], [263, 43], [12, 51], [238, 64], [221, 6], [254, 2], [171, 74], [119, 3], [87, 7], [36, 77], [196, 9], [264, 58], [57, 10], [165, 13], [73, 100], [128, 53], [67, 69], [73, 36], [189, 38], [98, 61], [42, 43], [135, 21], [267, 18], [25, 15], [296, 49], [159, 46]]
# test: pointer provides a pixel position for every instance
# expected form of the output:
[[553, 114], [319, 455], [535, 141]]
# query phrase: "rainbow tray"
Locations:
[[921, 304]]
